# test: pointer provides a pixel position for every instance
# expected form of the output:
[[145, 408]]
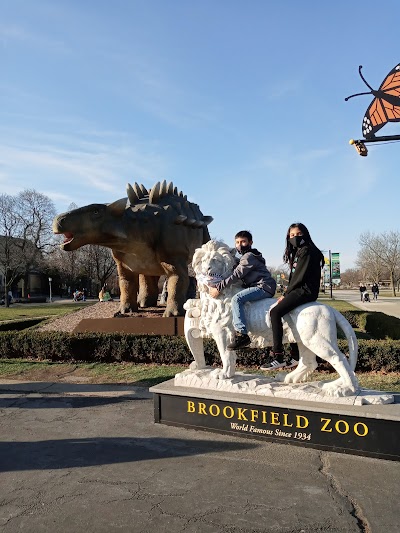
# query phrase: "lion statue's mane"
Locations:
[[312, 326]]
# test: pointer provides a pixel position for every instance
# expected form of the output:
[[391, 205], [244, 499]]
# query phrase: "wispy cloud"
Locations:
[[149, 86], [283, 89], [76, 167], [13, 34]]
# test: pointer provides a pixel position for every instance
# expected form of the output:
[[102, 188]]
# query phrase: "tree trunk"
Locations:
[[6, 289], [392, 282]]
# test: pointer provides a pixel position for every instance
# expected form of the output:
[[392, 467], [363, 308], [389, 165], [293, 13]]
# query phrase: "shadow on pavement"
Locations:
[[78, 453], [62, 387], [63, 402]]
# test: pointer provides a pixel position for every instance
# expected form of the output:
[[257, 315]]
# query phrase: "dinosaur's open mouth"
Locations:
[[68, 237]]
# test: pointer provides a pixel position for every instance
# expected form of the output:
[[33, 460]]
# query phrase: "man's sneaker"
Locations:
[[273, 365], [292, 363], [241, 340]]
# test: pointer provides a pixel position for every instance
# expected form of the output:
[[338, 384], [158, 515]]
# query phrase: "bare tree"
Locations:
[[10, 263], [68, 266], [385, 248], [100, 264], [351, 277], [25, 231], [371, 265], [35, 213]]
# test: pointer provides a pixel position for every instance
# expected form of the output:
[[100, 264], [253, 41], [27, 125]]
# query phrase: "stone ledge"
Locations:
[[262, 385], [134, 325]]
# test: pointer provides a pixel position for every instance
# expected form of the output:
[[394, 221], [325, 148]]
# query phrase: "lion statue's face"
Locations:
[[214, 259]]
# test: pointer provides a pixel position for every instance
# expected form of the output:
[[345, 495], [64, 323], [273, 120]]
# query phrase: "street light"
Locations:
[[50, 280]]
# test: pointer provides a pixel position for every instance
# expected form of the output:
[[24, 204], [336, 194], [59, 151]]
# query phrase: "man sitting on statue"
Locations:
[[257, 282]]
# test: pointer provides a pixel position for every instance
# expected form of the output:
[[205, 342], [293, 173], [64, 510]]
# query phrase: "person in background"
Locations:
[[257, 284], [375, 291], [305, 261], [362, 289]]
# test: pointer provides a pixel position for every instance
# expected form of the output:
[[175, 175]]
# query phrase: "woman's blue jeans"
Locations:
[[251, 294]]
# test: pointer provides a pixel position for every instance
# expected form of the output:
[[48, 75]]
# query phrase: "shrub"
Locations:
[[111, 347], [378, 325]]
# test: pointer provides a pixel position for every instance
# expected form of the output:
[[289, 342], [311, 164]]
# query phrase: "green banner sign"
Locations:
[[335, 259]]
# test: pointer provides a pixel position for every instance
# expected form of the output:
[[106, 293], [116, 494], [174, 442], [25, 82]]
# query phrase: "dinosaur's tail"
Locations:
[[350, 336]]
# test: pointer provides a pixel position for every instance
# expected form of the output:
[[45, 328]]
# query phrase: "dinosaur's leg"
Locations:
[[178, 282], [128, 285], [148, 291]]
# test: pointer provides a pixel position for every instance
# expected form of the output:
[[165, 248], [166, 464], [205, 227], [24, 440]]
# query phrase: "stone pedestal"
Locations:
[[370, 430]]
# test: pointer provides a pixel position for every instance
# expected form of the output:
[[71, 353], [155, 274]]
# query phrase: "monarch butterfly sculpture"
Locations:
[[384, 108]]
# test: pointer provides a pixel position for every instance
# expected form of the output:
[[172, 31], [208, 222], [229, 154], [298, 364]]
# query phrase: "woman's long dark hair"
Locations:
[[290, 250]]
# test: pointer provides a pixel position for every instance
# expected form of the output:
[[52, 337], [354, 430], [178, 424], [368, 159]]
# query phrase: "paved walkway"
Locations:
[[388, 305], [84, 458]]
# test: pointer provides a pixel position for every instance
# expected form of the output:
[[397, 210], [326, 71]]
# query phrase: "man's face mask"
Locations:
[[243, 249], [297, 241]]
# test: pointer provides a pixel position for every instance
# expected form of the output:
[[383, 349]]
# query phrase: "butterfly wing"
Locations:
[[392, 82], [379, 113], [380, 110]]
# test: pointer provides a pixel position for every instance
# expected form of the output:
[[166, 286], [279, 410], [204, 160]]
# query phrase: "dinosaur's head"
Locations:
[[92, 224]]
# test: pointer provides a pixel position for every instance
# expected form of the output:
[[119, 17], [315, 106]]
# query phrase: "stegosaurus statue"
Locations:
[[150, 232]]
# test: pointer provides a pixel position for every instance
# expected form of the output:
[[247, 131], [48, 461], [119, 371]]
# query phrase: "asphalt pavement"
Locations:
[[88, 458]]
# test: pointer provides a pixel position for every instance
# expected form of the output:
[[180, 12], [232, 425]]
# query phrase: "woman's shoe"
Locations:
[[278, 361], [273, 365]]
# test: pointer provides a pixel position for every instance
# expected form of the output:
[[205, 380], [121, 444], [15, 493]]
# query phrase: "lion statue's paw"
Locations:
[[194, 365], [338, 389], [296, 377], [220, 373], [191, 303]]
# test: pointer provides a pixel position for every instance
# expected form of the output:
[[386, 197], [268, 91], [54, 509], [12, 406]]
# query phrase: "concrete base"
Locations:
[[369, 430]]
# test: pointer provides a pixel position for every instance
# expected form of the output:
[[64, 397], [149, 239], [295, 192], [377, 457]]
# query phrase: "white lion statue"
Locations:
[[312, 326]]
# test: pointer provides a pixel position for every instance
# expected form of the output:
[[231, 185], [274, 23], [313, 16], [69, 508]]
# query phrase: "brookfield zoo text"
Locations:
[[274, 423]]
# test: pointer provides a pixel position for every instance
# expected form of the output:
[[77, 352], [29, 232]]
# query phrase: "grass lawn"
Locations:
[[339, 305], [148, 375], [139, 375], [21, 311]]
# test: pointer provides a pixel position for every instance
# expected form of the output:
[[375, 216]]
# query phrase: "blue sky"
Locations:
[[240, 104]]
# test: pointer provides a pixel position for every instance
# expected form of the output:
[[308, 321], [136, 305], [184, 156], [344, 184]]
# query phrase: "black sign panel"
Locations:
[[373, 437]]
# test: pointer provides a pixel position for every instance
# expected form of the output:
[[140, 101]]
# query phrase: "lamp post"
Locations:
[[50, 280]]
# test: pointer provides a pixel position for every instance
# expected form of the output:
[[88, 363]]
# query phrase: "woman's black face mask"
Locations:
[[297, 241]]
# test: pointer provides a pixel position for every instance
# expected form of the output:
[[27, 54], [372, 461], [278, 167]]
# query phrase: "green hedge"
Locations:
[[378, 325], [111, 347]]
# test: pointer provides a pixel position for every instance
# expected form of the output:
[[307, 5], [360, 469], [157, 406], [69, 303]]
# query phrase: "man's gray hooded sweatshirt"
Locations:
[[252, 271]]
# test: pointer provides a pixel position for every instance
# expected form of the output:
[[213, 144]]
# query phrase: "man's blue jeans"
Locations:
[[251, 294]]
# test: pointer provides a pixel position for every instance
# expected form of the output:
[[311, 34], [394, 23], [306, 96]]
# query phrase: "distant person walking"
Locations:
[[363, 288], [375, 291]]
